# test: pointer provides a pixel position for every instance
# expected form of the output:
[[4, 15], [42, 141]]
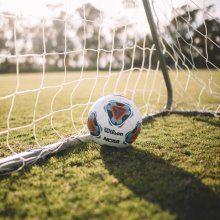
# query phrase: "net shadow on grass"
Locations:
[[215, 123], [157, 181]]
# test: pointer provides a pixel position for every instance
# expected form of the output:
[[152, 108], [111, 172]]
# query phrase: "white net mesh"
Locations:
[[55, 65]]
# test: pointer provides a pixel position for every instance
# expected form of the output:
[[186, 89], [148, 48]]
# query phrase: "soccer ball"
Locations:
[[114, 121]]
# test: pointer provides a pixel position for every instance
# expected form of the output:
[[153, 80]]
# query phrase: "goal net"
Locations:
[[54, 64]]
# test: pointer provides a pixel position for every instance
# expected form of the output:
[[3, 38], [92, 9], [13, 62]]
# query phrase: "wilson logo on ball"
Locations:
[[118, 112], [93, 126]]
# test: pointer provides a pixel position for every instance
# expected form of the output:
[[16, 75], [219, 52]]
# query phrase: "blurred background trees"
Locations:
[[73, 41]]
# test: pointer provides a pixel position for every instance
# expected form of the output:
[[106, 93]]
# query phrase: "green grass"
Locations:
[[171, 172]]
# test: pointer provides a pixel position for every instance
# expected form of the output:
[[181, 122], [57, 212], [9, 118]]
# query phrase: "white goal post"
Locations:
[[163, 55]]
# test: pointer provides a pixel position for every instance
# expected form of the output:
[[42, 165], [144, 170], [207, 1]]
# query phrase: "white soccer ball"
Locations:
[[114, 121]]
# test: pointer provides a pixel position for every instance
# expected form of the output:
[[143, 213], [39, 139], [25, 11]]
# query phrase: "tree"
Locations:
[[209, 47], [7, 46], [89, 33], [187, 36]]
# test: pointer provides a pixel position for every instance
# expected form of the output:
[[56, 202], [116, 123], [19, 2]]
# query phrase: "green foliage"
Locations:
[[82, 38]]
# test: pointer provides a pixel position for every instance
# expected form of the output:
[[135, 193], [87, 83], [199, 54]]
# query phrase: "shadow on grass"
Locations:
[[214, 122], [157, 181]]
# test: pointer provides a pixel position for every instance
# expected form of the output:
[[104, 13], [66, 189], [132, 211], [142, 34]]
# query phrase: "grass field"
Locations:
[[171, 172]]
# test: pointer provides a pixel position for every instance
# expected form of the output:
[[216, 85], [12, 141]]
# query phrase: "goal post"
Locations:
[[159, 54], [54, 66]]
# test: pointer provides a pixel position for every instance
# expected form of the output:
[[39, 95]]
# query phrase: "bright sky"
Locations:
[[37, 8]]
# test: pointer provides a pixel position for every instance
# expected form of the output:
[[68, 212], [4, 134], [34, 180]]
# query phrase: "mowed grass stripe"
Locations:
[[59, 102], [171, 172]]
